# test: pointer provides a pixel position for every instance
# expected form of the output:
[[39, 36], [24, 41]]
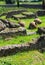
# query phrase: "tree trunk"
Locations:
[[10, 1], [17, 3], [43, 4]]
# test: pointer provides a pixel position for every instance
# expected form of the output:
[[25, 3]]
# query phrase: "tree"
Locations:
[[10, 1], [17, 3], [43, 4]]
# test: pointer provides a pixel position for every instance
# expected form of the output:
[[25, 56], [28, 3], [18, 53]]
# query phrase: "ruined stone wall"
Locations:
[[13, 49]]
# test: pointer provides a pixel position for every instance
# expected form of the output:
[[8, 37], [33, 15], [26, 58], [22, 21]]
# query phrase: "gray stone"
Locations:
[[41, 30], [32, 25], [2, 26], [37, 21], [7, 32], [22, 24], [41, 13], [6, 22], [10, 24], [22, 30], [41, 42], [13, 25], [12, 49], [29, 14]]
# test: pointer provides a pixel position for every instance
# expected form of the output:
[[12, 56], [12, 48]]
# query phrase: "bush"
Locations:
[[10, 1]]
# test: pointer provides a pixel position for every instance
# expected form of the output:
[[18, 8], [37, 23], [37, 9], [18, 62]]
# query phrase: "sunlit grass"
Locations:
[[17, 40], [24, 58], [2, 2], [22, 39]]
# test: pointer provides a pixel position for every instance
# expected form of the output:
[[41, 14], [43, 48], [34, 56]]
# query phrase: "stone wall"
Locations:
[[41, 13], [13, 49], [13, 32]]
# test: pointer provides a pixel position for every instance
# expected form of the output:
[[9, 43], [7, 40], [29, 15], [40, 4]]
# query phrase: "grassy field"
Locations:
[[24, 58]]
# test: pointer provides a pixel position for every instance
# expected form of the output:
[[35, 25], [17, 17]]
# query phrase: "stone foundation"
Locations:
[[13, 49]]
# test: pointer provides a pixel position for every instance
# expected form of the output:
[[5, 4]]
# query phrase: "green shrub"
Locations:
[[10, 1]]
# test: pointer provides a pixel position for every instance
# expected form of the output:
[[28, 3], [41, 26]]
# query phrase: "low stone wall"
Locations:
[[13, 49], [21, 17], [24, 16], [41, 13], [3, 14], [41, 30], [13, 32], [14, 13]]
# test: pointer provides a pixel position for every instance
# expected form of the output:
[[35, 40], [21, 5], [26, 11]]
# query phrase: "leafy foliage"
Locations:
[[10, 1]]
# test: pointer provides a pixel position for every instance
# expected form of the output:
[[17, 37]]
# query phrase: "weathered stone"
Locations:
[[10, 24], [9, 14], [22, 30], [41, 13], [41, 42], [37, 21], [22, 24], [8, 38], [19, 16], [32, 25], [2, 26], [6, 22], [41, 30], [29, 14], [13, 32], [13, 25], [3, 14], [30, 33], [12, 49]]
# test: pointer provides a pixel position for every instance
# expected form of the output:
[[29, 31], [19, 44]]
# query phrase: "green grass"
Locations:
[[24, 58], [2, 2], [17, 40], [22, 39], [33, 57]]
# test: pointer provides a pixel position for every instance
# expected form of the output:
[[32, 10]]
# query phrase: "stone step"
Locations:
[[19, 16], [29, 14], [13, 49], [30, 33], [41, 13], [14, 13], [13, 31]]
